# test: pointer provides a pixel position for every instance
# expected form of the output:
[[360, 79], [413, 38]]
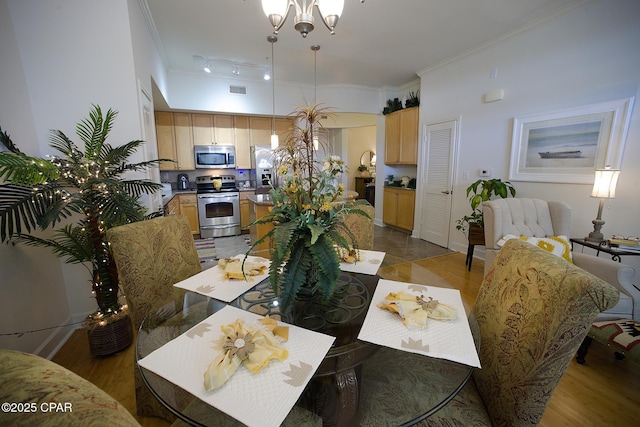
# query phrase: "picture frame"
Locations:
[[567, 146]]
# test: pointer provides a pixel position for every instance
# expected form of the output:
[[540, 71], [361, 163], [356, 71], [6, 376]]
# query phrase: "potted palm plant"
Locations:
[[85, 186], [308, 213], [478, 192]]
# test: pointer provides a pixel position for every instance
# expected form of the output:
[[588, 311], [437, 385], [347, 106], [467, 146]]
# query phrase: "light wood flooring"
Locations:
[[603, 392]]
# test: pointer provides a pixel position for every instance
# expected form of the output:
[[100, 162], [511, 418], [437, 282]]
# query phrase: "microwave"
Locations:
[[215, 156]]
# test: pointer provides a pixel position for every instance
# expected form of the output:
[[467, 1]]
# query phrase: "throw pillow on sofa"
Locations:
[[557, 245]]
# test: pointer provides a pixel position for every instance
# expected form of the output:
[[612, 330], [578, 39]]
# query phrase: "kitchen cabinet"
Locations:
[[189, 208], [184, 141], [187, 205], [173, 133], [398, 207], [401, 137], [245, 211], [223, 130], [203, 133], [173, 206], [284, 128], [177, 133], [243, 142], [165, 136], [260, 130], [258, 208]]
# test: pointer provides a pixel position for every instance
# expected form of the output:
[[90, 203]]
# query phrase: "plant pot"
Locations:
[[476, 235], [109, 336]]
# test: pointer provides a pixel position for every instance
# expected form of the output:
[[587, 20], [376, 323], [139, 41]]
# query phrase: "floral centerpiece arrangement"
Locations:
[[308, 211]]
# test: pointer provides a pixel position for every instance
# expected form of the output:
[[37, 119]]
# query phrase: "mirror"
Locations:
[[367, 158]]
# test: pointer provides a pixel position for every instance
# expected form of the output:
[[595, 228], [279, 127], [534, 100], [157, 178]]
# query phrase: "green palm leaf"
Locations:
[[294, 274]]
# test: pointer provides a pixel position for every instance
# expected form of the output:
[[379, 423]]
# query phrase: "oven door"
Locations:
[[219, 214]]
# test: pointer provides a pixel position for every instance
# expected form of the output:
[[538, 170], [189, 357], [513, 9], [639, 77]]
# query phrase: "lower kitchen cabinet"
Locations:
[[398, 207], [245, 211], [187, 205]]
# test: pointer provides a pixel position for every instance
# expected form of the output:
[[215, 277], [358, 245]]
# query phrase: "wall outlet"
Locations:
[[486, 173]]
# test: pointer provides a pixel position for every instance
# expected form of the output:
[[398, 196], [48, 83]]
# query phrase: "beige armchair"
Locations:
[[540, 218]]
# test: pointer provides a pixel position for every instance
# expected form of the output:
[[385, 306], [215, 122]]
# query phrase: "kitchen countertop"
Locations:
[[260, 199], [399, 187], [265, 199], [167, 198]]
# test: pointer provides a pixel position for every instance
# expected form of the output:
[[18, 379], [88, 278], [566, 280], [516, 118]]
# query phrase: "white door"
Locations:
[[153, 202], [437, 181]]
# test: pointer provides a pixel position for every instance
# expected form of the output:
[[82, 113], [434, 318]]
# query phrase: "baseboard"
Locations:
[[57, 338]]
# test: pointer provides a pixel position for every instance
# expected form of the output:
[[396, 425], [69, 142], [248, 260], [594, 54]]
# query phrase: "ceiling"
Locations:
[[378, 43]]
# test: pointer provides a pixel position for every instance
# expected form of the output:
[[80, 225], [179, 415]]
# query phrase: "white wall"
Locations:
[[33, 291], [67, 55], [589, 55]]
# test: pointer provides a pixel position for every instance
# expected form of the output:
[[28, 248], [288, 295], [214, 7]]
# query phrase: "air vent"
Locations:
[[242, 90]]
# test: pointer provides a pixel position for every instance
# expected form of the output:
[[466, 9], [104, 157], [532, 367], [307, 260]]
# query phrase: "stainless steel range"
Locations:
[[218, 206]]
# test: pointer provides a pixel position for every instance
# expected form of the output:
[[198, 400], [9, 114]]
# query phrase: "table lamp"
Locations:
[[604, 187]]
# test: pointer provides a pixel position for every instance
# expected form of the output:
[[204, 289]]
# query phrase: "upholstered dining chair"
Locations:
[[533, 310], [151, 257], [541, 218]]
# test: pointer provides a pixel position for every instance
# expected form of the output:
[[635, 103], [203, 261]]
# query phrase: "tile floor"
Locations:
[[401, 247]]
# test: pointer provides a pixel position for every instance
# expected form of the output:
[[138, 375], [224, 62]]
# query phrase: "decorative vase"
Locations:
[[109, 336]]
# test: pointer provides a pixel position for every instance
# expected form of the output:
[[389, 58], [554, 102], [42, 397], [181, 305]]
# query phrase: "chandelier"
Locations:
[[278, 10]]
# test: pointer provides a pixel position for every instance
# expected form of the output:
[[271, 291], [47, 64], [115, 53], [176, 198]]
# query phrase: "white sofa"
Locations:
[[540, 218]]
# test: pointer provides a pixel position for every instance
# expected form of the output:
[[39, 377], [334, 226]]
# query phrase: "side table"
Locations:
[[604, 246], [476, 237]]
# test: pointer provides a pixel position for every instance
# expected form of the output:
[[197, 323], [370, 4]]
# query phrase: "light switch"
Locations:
[[465, 175]]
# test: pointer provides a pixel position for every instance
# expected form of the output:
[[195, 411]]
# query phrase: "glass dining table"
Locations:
[[357, 383]]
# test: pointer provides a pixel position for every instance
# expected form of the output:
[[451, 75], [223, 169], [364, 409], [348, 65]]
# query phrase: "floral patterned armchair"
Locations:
[[55, 395], [151, 257], [533, 310]]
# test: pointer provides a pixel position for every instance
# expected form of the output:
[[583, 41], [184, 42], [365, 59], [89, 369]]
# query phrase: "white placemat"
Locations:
[[213, 283], [369, 263], [444, 339], [262, 399]]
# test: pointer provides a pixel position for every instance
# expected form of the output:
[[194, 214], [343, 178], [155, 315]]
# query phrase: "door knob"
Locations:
[[446, 192]]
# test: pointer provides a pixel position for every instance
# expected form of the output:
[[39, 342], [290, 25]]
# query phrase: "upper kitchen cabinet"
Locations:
[[203, 133], [260, 130], [401, 137], [175, 142], [223, 130], [284, 128], [243, 142], [165, 136], [184, 141]]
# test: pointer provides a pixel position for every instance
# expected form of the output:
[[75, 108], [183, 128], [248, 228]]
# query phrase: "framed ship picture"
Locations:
[[567, 146]]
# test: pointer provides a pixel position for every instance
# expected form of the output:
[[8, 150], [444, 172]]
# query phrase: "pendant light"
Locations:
[[274, 136], [315, 48], [278, 10]]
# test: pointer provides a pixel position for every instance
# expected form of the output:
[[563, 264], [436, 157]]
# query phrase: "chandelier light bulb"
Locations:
[[278, 10], [207, 68]]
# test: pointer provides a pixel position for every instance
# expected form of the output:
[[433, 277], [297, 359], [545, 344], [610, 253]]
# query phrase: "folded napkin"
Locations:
[[450, 339], [415, 309], [254, 346]]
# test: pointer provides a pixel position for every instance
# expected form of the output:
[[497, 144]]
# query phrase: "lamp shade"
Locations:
[[331, 7], [604, 185], [275, 7]]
